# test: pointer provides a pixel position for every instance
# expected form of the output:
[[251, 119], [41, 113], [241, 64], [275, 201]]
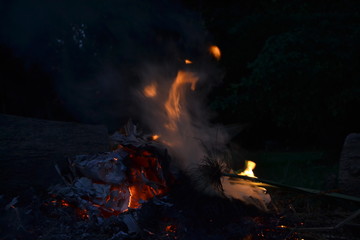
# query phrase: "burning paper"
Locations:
[[110, 183], [245, 190]]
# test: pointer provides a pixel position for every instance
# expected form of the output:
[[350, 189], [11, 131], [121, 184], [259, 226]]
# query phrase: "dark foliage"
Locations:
[[290, 68]]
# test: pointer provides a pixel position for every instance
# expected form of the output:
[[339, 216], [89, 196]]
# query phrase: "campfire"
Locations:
[[140, 169], [144, 168], [172, 182], [112, 183]]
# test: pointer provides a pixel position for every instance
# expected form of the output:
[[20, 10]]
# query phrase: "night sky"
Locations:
[[289, 70]]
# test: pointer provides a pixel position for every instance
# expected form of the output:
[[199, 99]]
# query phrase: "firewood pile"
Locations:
[[134, 193]]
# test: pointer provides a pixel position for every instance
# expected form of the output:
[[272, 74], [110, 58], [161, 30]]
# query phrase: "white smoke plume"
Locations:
[[96, 51], [173, 108], [183, 126]]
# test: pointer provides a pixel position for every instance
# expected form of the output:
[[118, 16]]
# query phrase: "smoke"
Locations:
[[102, 54], [95, 50], [171, 105], [184, 125]]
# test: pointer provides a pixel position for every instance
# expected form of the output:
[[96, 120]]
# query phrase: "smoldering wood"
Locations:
[[29, 149], [349, 166]]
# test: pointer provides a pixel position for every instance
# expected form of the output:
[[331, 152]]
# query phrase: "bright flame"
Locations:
[[249, 167], [150, 90], [145, 180], [155, 137], [250, 193], [172, 105], [187, 61], [215, 51]]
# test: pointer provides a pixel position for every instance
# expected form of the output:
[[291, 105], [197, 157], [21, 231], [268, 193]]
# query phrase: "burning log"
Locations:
[[30, 147]]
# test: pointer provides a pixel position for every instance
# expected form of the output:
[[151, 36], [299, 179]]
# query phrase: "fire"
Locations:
[[173, 105], [150, 90], [249, 167], [141, 180], [155, 137], [145, 182], [187, 61], [215, 52]]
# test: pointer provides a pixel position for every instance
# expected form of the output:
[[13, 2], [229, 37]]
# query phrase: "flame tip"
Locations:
[[150, 90], [215, 52]]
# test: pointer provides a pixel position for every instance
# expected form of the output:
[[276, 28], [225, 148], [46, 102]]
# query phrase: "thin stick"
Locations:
[[301, 189], [340, 224]]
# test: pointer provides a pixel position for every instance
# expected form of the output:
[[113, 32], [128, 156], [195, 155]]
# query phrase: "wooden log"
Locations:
[[349, 166], [29, 149]]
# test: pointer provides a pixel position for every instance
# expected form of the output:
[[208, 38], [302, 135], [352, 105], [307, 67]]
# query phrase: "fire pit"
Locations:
[[174, 184], [134, 192]]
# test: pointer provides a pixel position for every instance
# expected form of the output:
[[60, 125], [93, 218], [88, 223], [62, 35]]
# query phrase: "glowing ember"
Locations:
[[83, 213], [170, 228], [150, 90], [125, 179], [145, 178], [155, 137], [173, 104], [62, 203], [215, 52], [187, 61], [249, 167]]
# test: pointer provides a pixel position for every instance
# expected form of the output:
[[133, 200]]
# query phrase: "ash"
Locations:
[[130, 193], [183, 213]]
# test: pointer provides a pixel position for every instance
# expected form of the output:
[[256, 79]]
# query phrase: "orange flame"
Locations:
[[187, 61], [155, 137], [249, 167], [215, 52], [172, 105], [150, 90], [145, 182]]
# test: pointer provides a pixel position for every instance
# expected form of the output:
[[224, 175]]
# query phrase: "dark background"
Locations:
[[291, 68]]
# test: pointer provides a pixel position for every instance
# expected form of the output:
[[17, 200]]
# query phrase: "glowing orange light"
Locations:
[[64, 203], [170, 228], [215, 52], [187, 61], [155, 137], [172, 105], [150, 90], [249, 167], [83, 213]]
